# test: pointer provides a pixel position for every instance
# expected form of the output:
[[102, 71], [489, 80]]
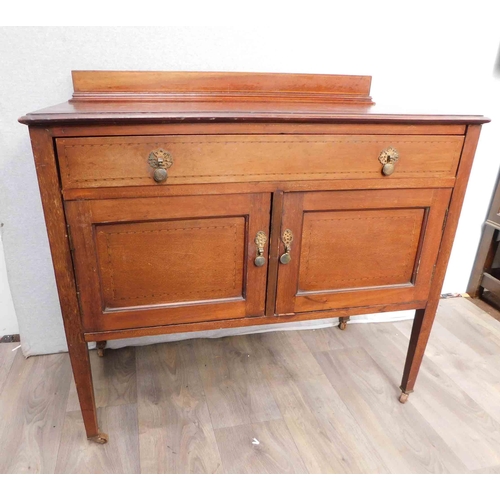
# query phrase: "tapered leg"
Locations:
[[57, 229], [424, 318], [80, 362], [422, 325]]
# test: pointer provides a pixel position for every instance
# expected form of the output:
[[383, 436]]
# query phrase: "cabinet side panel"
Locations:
[[55, 220]]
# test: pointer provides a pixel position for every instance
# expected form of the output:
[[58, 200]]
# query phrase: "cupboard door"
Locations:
[[157, 261], [359, 248]]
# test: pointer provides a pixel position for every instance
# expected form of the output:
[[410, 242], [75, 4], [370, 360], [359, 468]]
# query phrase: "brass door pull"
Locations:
[[260, 241], [388, 157], [160, 160], [287, 239]]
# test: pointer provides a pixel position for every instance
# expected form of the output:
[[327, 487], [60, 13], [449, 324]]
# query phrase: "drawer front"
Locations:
[[123, 161]]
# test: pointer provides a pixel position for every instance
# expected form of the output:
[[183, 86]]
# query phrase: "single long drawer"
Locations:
[[123, 161]]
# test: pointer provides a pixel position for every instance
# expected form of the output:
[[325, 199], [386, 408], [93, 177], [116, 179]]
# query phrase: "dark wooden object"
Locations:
[[192, 201], [485, 273]]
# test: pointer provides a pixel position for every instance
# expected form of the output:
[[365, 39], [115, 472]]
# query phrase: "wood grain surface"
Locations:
[[95, 162], [32, 413], [318, 401], [359, 248], [175, 427], [7, 355], [114, 381], [60, 248], [165, 261], [119, 456], [177, 259]]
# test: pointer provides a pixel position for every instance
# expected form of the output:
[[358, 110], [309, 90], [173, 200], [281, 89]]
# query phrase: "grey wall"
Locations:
[[429, 67], [8, 318]]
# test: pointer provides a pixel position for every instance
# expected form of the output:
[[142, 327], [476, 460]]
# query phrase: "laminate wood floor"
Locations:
[[318, 401]]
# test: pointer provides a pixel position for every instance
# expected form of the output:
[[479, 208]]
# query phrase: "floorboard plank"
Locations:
[[114, 378], [488, 470], [259, 448], [327, 339], [326, 434], [478, 376], [32, 409], [236, 390], [7, 356], [120, 455], [323, 401], [468, 430], [175, 429], [406, 442], [478, 330], [488, 303]]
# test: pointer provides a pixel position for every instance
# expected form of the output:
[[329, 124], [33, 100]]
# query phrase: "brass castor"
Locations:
[[100, 348], [101, 438], [343, 322], [403, 398]]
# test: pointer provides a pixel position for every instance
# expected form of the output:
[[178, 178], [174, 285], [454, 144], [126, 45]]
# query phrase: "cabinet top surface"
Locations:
[[147, 96]]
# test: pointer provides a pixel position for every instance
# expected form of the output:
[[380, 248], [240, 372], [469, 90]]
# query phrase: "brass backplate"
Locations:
[[159, 158], [287, 238], [260, 240], [389, 155]]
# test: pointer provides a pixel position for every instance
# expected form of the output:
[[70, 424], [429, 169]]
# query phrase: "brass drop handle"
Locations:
[[260, 241], [160, 161], [287, 239], [388, 157]]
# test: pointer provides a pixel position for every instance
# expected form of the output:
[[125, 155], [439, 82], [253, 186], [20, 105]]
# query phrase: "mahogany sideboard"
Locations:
[[182, 201]]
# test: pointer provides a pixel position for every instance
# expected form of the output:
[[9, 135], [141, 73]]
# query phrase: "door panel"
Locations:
[[156, 261], [377, 247], [150, 263], [358, 248]]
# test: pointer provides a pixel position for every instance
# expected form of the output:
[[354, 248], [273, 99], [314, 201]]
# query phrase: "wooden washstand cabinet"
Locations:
[[180, 202]]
